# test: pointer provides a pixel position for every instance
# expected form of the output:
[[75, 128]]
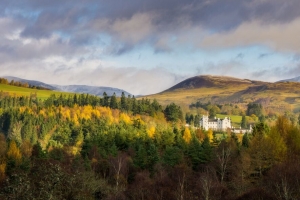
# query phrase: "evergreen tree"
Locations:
[[173, 112], [197, 121], [113, 102], [123, 103], [245, 140], [105, 100], [244, 122]]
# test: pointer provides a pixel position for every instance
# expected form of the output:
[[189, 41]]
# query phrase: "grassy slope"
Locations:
[[278, 97], [21, 91]]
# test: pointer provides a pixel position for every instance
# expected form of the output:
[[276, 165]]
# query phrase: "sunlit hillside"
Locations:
[[21, 91]]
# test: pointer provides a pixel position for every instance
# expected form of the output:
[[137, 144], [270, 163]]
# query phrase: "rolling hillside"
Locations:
[[279, 97], [21, 91]]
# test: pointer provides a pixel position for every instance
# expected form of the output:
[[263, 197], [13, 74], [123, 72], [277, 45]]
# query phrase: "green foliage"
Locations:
[[173, 112], [254, 108], [245, 140], [172, 156], [260, 129], [244, 122]]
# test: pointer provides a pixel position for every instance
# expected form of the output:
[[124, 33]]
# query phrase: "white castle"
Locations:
[[215, 124], [218, 124]]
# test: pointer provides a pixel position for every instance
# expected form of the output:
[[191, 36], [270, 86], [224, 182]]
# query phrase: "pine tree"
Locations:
[[105, 100], [245, 140], [123, 105], [113, 102], [244, 122]]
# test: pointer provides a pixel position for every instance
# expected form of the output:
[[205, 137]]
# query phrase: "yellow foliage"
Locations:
[[96, 113], [151, 132], [22, 109], [210, 135], [14, 152], [42, 112], [75, 119], [125, 118], [187, 135]]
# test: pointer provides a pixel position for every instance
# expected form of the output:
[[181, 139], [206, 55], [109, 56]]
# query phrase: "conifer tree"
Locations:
[[113, 102]]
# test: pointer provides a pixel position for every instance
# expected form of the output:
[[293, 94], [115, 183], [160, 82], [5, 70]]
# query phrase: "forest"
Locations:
[[88, 147]]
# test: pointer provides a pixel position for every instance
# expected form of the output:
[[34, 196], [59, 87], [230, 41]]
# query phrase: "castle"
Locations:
[[215, 124], [220, 125]]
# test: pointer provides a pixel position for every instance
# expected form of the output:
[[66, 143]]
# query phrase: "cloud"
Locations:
[[258, 33], [136, 22], [276, 73], [95, 72]]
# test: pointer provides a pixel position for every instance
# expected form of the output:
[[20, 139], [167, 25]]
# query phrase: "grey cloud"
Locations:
[[71, 17], [277, 73]]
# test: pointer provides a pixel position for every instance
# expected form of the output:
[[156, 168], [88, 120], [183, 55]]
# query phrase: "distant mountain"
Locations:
[[98, 91], [296, 79], [94, 90]]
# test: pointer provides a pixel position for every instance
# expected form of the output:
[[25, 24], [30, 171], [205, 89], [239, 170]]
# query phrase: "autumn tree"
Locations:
[[187, 135], [14, 155]]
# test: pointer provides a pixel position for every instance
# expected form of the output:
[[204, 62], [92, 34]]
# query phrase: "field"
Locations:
[[21, 91], [234, 118]]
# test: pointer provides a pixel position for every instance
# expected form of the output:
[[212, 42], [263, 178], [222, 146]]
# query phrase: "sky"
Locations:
[[147, 46]]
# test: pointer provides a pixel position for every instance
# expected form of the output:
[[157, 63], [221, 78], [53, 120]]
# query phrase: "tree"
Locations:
[[123, 106], [197, 121], [245, 140], [244, 122], [254, 108], [213, 110], [119, 170], [173, 112], [113, 102], [187, 135], [14, 154], [172, 156], [15, 132], [260, 129], [105, 100], [223, 155]]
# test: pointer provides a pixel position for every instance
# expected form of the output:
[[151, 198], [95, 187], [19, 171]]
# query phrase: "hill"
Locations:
[[30, 82], [21, 91], [209, 82], [94, 90], [278, 97]]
